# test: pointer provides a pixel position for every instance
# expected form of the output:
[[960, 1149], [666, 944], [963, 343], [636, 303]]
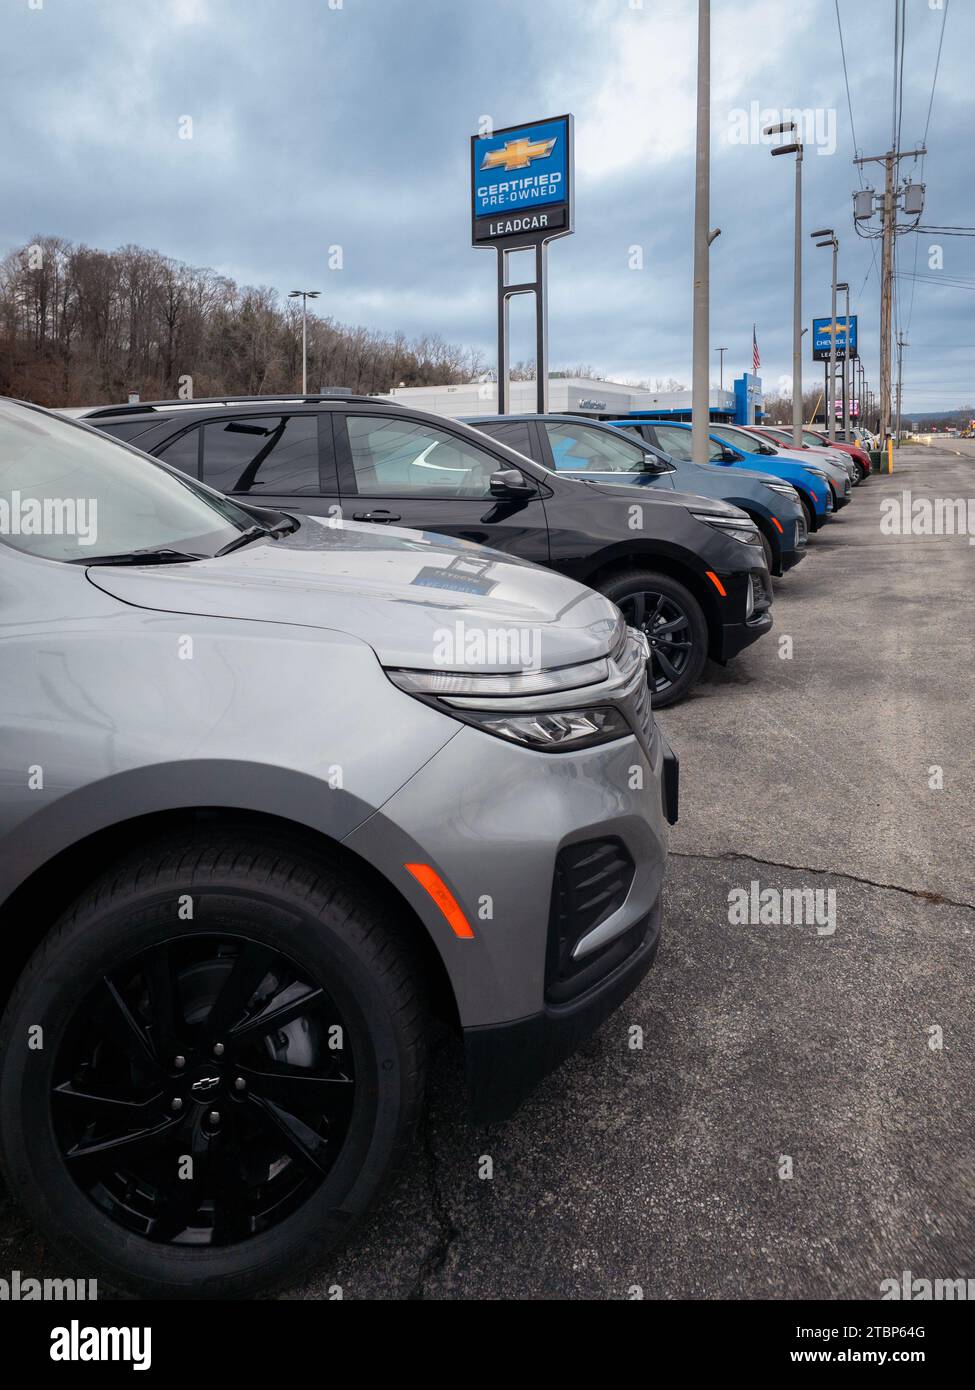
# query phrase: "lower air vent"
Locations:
[[591, 882]]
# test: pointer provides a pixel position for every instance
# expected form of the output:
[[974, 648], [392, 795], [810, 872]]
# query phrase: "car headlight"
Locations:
[[533, 708], [783, 489], [577, 728], [744, 531]]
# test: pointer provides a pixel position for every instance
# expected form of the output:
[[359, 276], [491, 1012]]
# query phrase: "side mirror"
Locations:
[[729, 456], [653, 463], [509, 482]]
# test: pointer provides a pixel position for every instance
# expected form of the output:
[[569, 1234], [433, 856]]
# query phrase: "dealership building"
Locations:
[[575, 395]]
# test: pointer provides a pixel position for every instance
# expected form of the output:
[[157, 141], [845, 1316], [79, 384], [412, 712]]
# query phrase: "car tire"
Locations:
[[857, 472], [769, 555], [809, 514], [642, 594], [329, 952]]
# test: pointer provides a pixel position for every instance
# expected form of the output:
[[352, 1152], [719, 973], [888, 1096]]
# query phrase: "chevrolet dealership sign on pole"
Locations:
[[521, 198], [824, 329]]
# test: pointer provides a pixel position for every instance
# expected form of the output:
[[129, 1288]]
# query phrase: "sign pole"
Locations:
[[521, 199], [541, 327], [504, 384]]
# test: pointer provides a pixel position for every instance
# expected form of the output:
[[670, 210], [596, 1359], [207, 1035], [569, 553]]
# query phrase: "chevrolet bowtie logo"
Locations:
[[518, 154], [838, 328]]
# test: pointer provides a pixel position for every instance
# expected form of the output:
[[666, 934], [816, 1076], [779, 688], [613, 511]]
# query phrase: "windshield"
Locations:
[[67, 493]]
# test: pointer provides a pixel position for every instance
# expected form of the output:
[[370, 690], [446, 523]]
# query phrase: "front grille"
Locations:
[[590, 883], [761, 591]]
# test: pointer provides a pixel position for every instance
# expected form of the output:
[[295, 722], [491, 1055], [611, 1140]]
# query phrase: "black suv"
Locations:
[[690, 571]]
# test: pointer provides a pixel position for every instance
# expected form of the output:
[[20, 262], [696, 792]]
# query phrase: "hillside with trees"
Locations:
[[80, 326]]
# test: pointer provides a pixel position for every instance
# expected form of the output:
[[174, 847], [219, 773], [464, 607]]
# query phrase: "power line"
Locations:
[[924, 145], [900, 81], [846, 79], [947, 231], [937, 65]]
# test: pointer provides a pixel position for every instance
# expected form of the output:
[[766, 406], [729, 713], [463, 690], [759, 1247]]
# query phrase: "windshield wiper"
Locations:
[[140, 557], [251, 534]]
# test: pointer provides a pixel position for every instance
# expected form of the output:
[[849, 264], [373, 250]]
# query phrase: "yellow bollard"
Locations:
[[890, 455]]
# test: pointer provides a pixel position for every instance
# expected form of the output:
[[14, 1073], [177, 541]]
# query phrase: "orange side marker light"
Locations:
[[432, 883], [778, 526], [717, 583]]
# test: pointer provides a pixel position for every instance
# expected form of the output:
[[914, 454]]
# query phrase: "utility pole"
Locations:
[[863, 208], [886, 298], [901, 345], [700, 391]]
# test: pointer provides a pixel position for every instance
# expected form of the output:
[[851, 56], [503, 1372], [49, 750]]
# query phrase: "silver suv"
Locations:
[[274, 793]]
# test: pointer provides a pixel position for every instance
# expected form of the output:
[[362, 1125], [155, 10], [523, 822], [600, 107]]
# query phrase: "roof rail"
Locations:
[[277, 398]]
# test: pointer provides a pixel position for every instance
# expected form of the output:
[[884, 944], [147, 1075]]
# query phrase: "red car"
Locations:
[[859, 456]]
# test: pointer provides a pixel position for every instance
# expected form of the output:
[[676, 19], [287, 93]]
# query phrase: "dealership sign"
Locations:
[[521, 183], [824, 330]]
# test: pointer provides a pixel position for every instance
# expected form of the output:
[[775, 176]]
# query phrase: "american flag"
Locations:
[[756, 360]]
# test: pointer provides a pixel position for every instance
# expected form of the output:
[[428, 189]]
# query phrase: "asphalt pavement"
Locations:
[[798, 1120]]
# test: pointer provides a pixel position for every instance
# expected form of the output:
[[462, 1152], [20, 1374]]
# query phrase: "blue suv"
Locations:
[[673, 437]]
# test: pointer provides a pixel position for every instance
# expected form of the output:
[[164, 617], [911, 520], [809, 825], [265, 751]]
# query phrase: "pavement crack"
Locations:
[[937, 899], [436, 1256]]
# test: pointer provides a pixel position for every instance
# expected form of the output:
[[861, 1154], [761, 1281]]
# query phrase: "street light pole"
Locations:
[[304, 296], [721, 352], [700, 391], [795, 147], [831, 239], [902, 343], [846, 364]]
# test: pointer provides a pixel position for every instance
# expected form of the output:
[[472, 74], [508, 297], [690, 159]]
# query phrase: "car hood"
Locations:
[[414, 597], [740, 473], [691, 501]]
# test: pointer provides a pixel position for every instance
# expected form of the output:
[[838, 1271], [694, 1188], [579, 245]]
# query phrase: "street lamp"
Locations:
[[721, 352], [794, 147], [304, 296], [847, 359], [831, 239]]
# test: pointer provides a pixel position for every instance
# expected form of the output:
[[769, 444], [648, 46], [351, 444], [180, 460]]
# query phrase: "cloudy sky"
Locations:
[[345, 122]]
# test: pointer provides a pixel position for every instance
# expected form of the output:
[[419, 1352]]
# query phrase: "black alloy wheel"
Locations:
[[674, 625], [233, 1043], [198, 1095]]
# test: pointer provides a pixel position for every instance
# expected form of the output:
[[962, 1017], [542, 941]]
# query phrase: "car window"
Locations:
[[673, 441], [262, 453], [404, 458], [679, 444], [70, 493], [514, 433], [183, 452], [578, 448], [739, 440]]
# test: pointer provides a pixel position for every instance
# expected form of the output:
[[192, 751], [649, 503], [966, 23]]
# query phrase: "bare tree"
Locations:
[[81, 326]]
